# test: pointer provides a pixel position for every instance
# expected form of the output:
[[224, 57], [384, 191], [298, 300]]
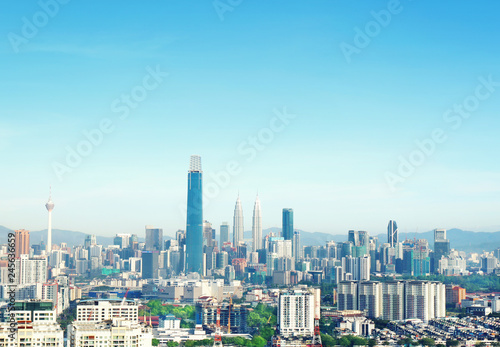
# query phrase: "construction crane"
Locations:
[[229, 316], [218, 336], [90, 314], [125, 297], [317, 335]]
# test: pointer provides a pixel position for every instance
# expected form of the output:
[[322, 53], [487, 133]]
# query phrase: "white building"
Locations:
[[425, 300], [393, 300], [35, 328], [135, 264], [495, 304], [99, 310], [347, 295], [453, 265], [359, 326], [170, 322], [297, 309], [43, 316], [190, 288], [280, 246], [30, 271], [370, 298], [55, 259], [358, 267], [257, 226], [178, 335], [117, 332]]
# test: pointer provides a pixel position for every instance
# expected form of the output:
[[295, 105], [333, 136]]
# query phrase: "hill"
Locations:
[[72, 238], [468, 241]]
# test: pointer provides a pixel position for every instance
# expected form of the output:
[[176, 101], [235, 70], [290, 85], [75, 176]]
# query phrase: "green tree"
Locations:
[[155, 342], [344, 341], [267, 333], [254, 319], [328, 340], [357, 341], [452, 343], [258, 341], [372, 342], [172, 344], [380, 323], [427, 341], [405, 342]]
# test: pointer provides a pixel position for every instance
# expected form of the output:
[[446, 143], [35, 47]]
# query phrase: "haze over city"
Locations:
[[346, 121]]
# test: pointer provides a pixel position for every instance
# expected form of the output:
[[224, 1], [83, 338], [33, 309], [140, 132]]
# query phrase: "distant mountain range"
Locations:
[[468, 241], [72, 238]]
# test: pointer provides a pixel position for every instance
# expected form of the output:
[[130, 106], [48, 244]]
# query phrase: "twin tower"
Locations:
[[194, 222]]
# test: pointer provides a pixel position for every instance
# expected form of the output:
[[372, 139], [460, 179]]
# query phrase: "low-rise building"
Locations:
[[115, 332]]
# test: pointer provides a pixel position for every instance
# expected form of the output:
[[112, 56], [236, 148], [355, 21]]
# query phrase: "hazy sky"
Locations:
[[356, 85]]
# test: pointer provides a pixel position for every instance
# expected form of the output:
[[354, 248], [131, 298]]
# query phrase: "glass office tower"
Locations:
[[392, 233], [288, 224], [194, 225]]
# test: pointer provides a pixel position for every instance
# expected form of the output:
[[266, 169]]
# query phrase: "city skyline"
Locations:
[[250, 173], [331, 115], [171, 232]]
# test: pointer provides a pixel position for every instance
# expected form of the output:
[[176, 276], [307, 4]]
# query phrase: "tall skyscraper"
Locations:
[[297, 249], [150, 264], [224, 233], [392, 233], [441, 248], [257, 226], [441, 243], [194, 225], [154, 238], [353, 237], [288, 223], [22, 242], [49, 206], [238, 223], [208, 238]]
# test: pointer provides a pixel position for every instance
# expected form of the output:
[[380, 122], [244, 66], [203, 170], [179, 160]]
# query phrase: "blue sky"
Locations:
[[354, 121]]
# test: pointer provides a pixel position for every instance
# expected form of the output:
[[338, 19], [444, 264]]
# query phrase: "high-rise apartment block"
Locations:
[[22, 242], [297, 310], [394, 300]]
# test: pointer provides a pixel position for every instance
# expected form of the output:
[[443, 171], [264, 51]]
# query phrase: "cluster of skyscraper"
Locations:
[[197, 232]]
